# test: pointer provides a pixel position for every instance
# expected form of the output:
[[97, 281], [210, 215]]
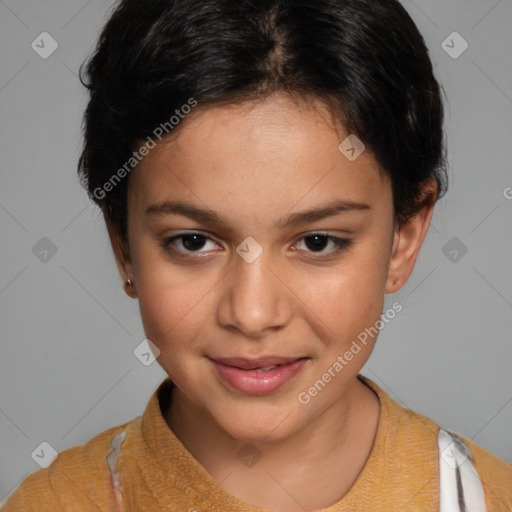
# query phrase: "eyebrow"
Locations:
[[212, 217]]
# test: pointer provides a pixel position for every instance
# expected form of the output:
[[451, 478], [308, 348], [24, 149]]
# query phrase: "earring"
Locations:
[[128, 282]]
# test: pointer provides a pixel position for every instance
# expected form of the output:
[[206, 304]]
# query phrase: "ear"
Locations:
[[122, 256], [408, 239]]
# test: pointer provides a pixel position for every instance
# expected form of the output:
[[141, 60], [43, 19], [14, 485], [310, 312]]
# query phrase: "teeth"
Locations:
[[266, 369]]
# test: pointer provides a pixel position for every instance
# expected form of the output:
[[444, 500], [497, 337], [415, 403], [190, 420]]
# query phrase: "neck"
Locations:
[[331, 450]]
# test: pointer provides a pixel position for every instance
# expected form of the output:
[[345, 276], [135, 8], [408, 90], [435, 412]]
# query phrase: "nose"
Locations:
[[255, 299]]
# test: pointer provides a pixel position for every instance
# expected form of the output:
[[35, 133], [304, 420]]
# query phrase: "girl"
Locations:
[[267, 171]]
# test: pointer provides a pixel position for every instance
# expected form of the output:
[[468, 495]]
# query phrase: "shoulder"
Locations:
[[495, 474], [78, 479], [408, 432]]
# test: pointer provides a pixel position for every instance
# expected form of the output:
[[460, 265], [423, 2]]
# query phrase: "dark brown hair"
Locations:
[[368, 56]]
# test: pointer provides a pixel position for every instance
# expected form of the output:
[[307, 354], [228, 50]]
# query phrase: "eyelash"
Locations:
[[340, 243]]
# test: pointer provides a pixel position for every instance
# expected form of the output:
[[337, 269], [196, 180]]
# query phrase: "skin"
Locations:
[[255, 164]]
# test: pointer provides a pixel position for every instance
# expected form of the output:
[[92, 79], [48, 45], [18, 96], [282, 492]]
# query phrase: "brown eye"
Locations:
[[317, 242], [187, 243]]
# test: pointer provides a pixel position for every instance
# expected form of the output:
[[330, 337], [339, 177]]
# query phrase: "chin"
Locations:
[[259, 424]]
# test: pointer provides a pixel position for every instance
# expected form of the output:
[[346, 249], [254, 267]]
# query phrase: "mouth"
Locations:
[[258, 376]]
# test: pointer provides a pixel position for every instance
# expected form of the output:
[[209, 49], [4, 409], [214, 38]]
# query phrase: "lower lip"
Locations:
[[255, 382]]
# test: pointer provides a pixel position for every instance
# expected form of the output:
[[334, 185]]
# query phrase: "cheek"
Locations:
[[346, 298], [169, 303], [172, 313]]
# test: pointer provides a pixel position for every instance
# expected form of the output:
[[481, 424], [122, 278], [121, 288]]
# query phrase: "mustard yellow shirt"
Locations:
[[156, 473]]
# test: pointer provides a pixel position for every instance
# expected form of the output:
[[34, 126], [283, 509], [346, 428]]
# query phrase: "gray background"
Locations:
[[68, 331]]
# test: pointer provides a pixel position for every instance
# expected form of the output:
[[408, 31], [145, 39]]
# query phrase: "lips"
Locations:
[[257, 376], [254, 364]]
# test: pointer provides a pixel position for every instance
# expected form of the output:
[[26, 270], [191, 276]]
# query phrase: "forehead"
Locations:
[[279, 148]]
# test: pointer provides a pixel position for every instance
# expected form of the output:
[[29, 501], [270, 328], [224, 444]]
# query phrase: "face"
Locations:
[[232, 275]]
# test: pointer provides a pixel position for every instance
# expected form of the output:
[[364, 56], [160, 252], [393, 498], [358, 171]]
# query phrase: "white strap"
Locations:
[[460, 487]]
